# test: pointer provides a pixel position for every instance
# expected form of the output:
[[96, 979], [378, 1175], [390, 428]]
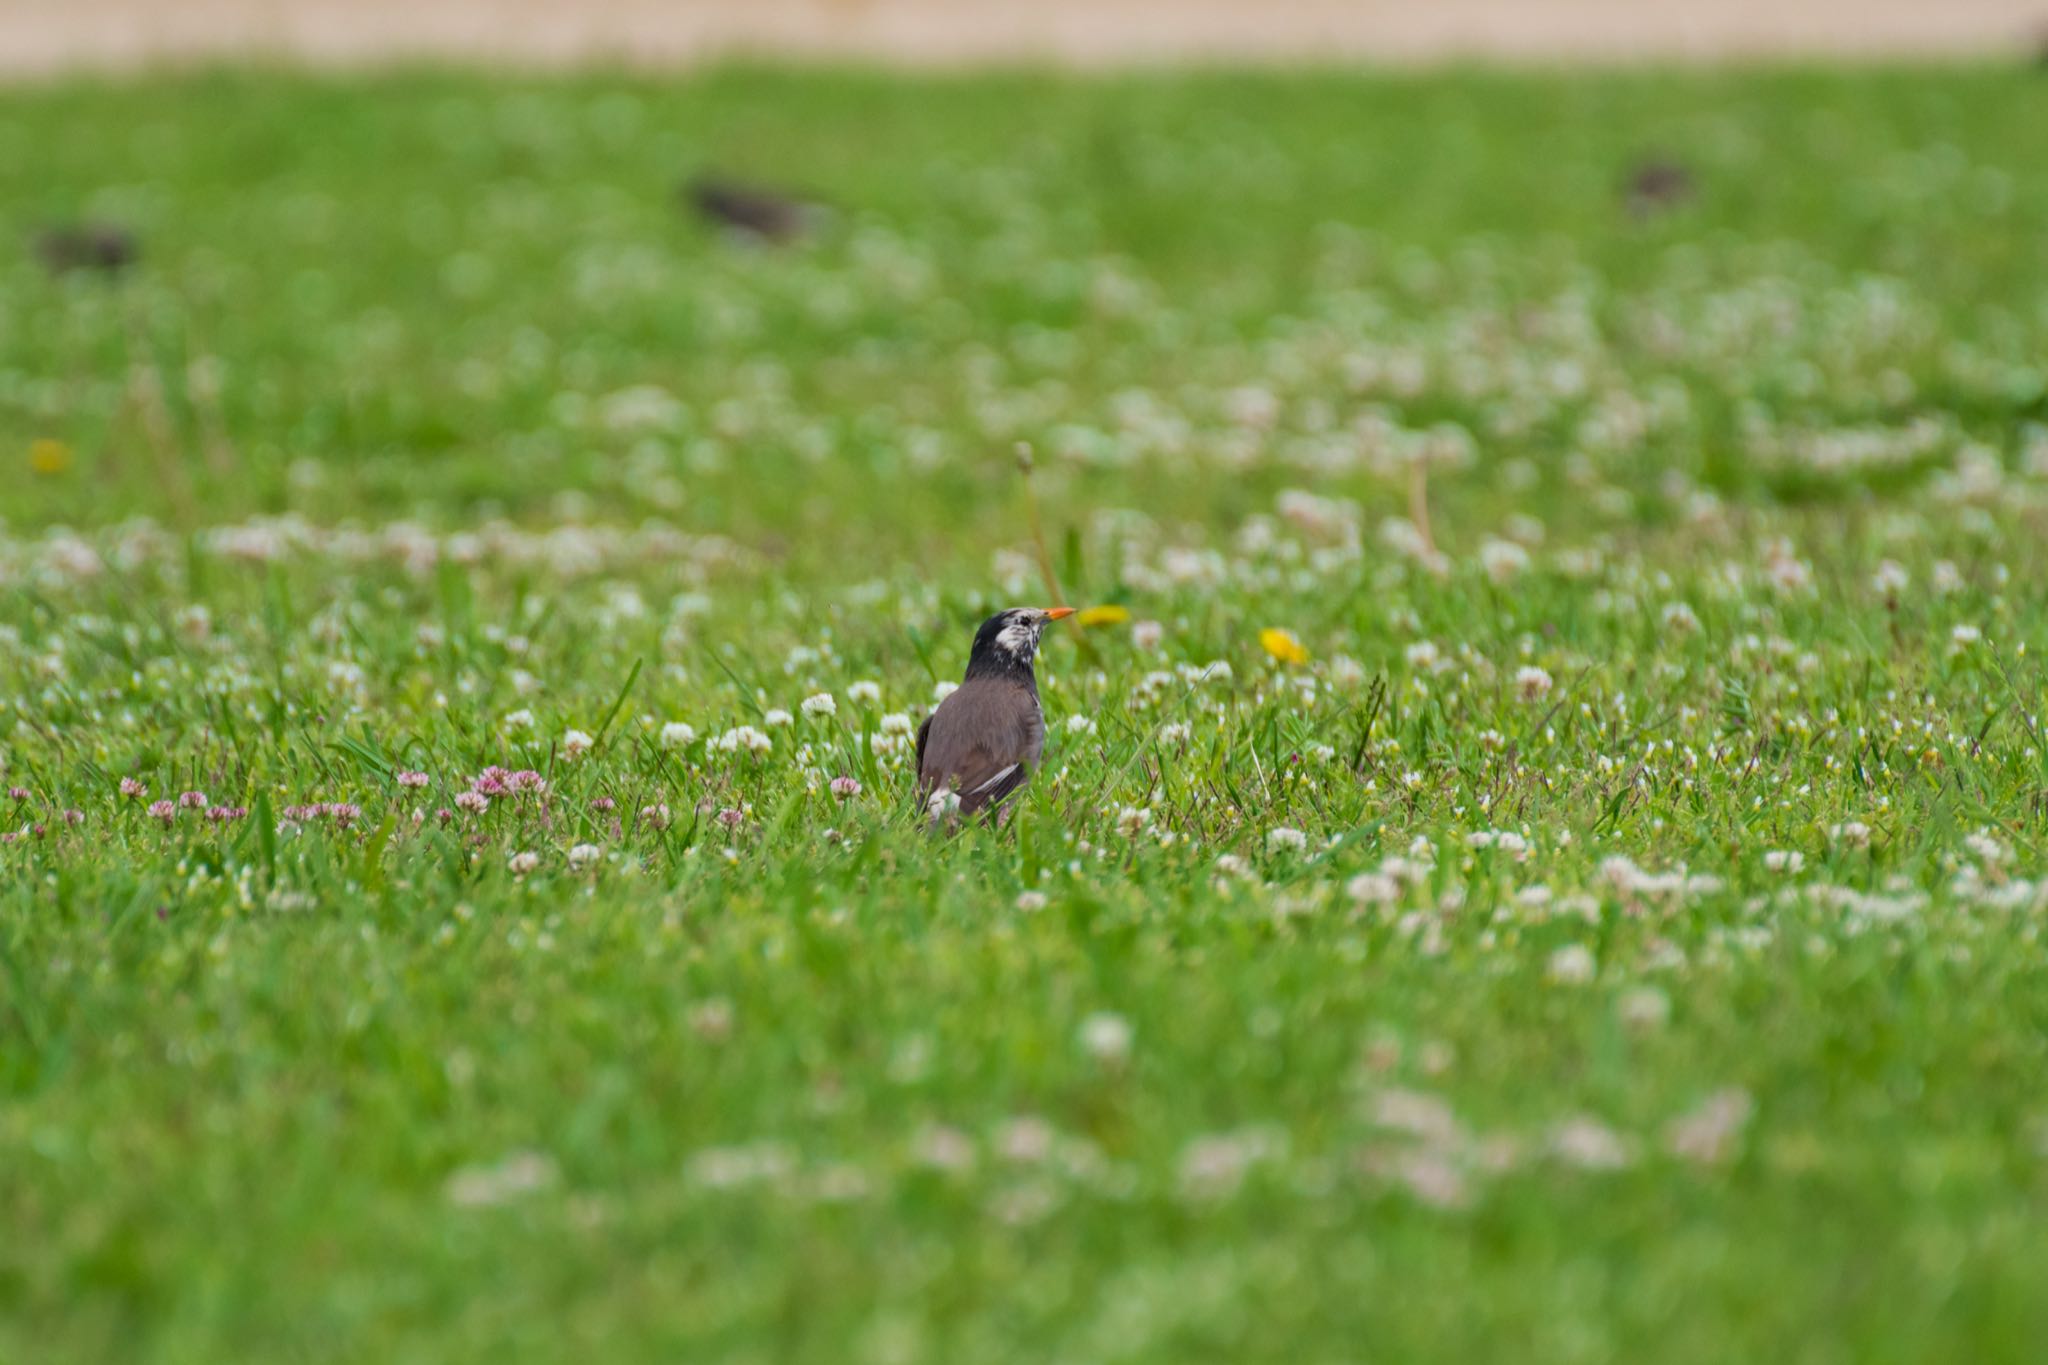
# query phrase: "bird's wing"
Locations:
[[978, 744], [991, 792]]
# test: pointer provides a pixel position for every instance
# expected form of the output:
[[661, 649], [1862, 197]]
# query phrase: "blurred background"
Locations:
[[40, 35]]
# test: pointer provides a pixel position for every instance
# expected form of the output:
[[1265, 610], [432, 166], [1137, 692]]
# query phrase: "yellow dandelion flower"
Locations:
[[1103, 616], [48, 456], [1282, 645]]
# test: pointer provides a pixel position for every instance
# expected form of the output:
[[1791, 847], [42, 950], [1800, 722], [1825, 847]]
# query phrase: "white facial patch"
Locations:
[[1019, 639]]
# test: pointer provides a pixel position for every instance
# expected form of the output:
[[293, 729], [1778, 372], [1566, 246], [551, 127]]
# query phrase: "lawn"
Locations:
[[1542, 849]]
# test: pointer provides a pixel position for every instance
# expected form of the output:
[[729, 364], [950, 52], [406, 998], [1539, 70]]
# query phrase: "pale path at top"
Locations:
[[40, 36]]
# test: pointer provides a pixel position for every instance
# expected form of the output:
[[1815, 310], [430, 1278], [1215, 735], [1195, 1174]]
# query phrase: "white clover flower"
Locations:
[[1107, 1037], [1643, 1009], [1132, 821], [1680, 619], [864, 691], [1572, 965], [1147, 635], [1030, 902], [1503, 560], [1963, 636], [1709, 1133], [1986, 849], [944, 803], [1252, 405], [1404, 538], [1233, 865], [522, 719], [1532, 683], [945, 1149], [523, 863], [943, 690], [1080, 725], [1423, 656], [518, 1175], [744, 737], [1784, 860], [1285, 839], [1890, 579], [1947, 577], [197, 622], [676, 735], [1590, 1145], [896, 723], [1506, 840], [777, 718], [1787, 572], [1852, 833], [1373, 888], [583, 855], [2035, 462], [575, 744], [1176, 733], [820, 704]]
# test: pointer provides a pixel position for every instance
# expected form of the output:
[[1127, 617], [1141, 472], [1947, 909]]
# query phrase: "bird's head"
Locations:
[[1009, 639]]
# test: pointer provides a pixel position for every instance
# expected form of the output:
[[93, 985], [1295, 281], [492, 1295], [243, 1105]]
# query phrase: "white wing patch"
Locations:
[[993, 780]]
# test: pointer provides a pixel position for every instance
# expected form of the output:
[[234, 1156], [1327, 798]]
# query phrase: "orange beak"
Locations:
[[1056, 613]]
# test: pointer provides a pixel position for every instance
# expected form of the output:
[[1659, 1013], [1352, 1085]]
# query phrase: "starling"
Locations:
[[751, 211], [1656, 185], [87, 246], [985, 738]]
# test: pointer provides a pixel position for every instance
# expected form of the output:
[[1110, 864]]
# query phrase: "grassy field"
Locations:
[[1542, 851]]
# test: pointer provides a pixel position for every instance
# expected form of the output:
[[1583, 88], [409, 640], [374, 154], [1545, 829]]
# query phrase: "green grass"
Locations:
[[429, 430]]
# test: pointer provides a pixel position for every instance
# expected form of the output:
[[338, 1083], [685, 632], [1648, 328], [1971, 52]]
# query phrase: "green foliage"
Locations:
[[1619, 939]]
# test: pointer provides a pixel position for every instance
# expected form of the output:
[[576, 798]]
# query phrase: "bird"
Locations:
[[1657, 184], [751, 211], [984, 739], [101, 247]]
